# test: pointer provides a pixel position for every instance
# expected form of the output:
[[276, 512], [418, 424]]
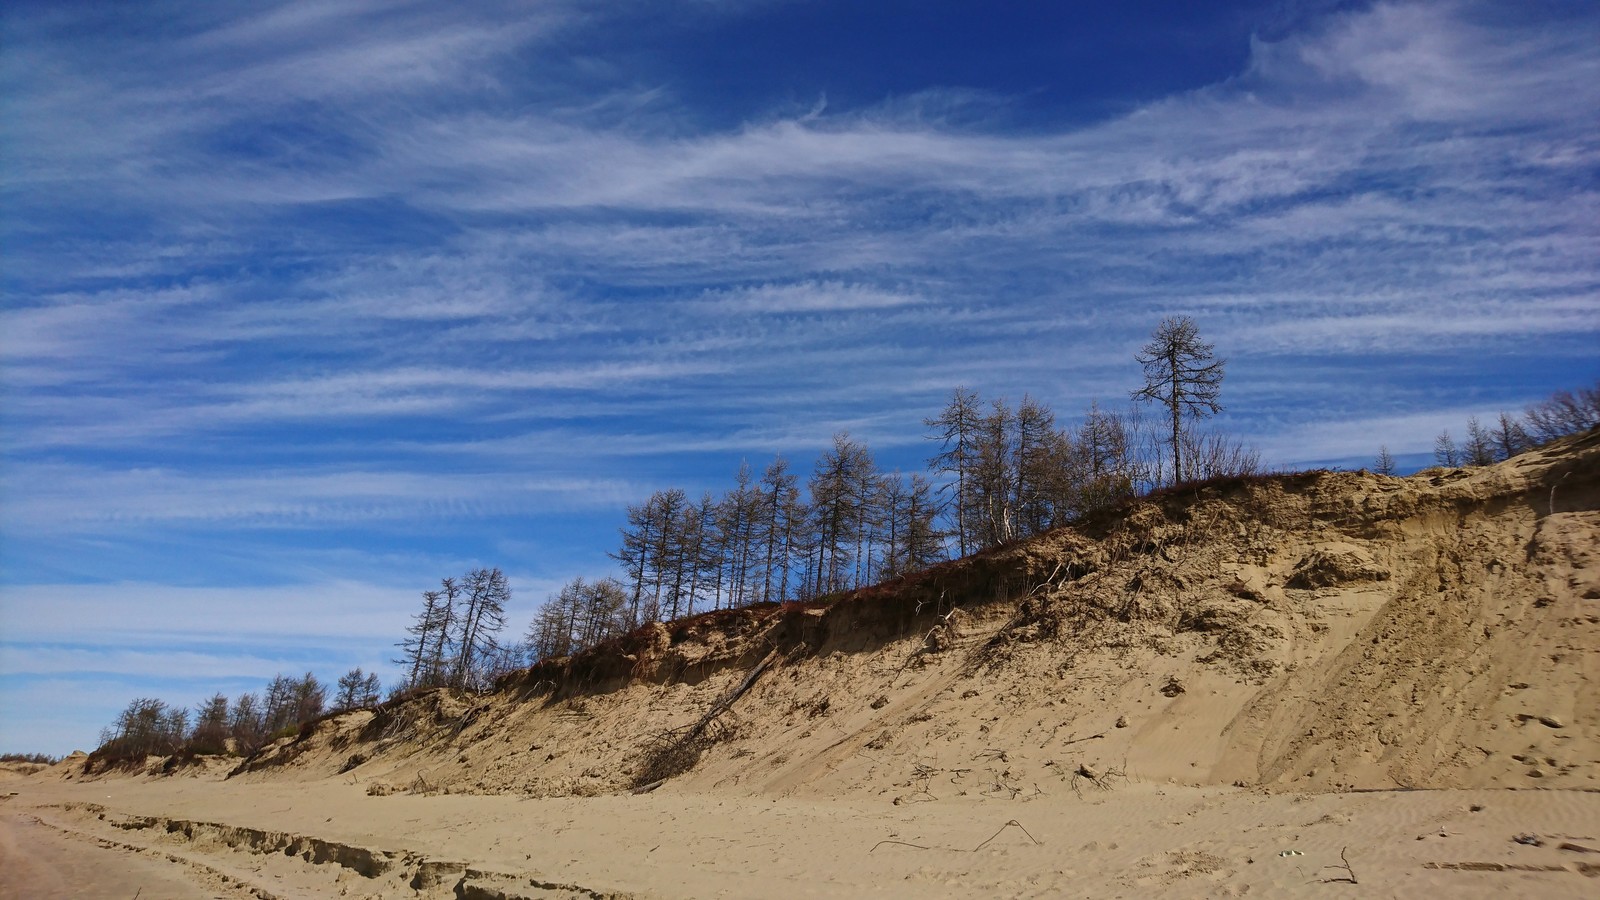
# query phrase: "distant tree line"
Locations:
[[1000, 473], [453, 642], [1563, 413], [40, 758], [582, 614], [454, 639], [151, 727], [766, 541]]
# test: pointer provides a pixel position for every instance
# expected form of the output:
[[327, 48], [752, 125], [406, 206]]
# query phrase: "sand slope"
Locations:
[[1335, 630], [1160, 702]]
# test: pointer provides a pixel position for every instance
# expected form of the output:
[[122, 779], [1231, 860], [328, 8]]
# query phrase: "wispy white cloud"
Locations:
[[43, 660], [332, 266], [112, 614], [85, 499], [811, 297], [1436, 62]]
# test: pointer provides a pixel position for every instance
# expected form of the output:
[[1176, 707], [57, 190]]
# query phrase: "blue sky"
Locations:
[[307, 305]]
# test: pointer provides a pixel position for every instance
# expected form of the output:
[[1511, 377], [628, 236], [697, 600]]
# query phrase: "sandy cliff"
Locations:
[[1219, 691], [1322, 630]]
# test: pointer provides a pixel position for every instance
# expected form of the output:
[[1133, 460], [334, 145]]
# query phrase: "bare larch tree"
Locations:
[[1181, 373]]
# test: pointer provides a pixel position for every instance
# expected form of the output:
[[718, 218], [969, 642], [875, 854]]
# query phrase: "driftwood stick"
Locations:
[[901, 843], [677, 750], [1350, 874], [1009, 824], [1003, 828], [725, 702], [723, 705]]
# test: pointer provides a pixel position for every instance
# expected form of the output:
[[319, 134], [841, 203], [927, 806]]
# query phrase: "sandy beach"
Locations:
[[198, 837]]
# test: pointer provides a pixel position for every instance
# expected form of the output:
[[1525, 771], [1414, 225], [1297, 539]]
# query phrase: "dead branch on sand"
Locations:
[[420, 785], [677, 751], [1010, 824], [906, 844], [1003, 828], [1101, 780], [1349, 877], [1070, 740]]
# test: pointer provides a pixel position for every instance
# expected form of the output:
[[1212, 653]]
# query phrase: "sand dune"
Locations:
[[1268, 687]]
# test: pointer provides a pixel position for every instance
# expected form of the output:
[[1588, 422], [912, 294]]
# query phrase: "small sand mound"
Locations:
[[1336, 565]]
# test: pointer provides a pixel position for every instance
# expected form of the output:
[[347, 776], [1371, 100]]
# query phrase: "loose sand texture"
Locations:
[[1276, 686], [1134, 839]]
